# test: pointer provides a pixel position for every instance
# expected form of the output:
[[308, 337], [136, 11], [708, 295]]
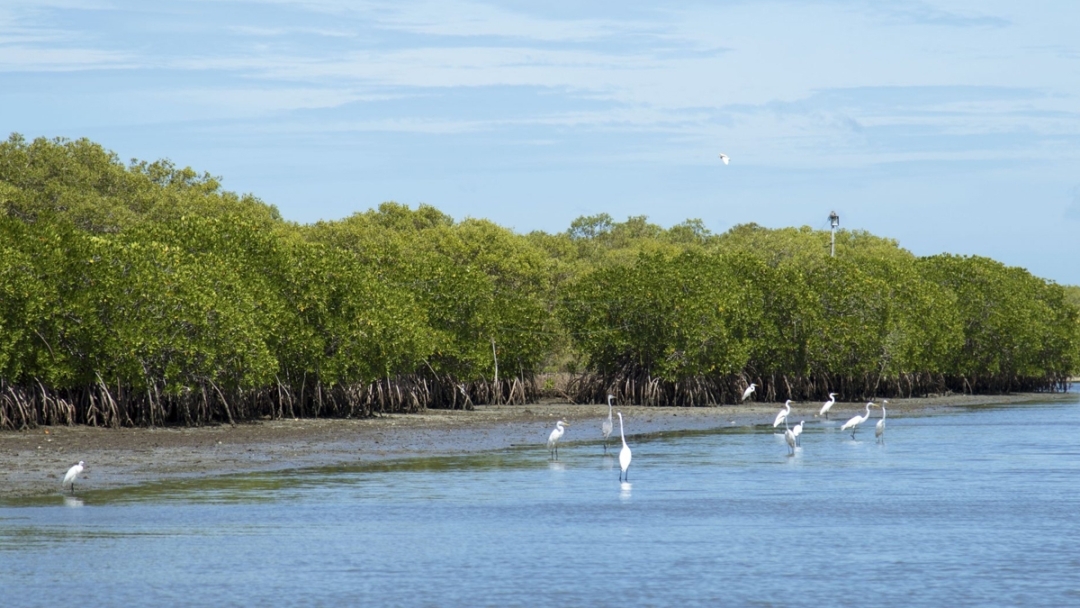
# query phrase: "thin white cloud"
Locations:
[[251, 30], [472, 19], [31, 59], [278, 32], [262, 101], [466, 19], [25, 6], [935, 14]]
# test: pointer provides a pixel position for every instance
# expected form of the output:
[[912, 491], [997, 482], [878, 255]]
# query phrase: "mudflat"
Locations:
[[34, 461]]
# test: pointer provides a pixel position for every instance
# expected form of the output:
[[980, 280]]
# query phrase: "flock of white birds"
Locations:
[[791, 433], [605, 427]]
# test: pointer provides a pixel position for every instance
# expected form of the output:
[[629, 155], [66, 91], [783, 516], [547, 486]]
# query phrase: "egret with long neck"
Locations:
[[606, 426], [879, 430], [554, 437], [855, 421], [797, 430], [749, 391], [782, 415], [828, 404], [624, 454]]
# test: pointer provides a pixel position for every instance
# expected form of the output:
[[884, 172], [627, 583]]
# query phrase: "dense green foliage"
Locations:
[[772, 307], [143, 294]]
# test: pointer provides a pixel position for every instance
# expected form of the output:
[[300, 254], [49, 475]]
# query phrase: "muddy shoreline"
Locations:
[[34, 461]]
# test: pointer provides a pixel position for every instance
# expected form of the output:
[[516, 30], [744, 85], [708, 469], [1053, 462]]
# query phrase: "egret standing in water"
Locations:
[[555, 436], [797, 430], [72, 473], [789, 437], [879, 430], [828, 404], [855, 421], [624, 454], [782, 415], [607, 425], [749, 390]]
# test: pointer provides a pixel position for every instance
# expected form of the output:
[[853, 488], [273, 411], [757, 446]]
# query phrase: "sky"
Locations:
[[950, 126]]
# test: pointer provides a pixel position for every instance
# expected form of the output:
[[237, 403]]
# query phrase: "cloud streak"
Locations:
[[926, 13], [18, 58]]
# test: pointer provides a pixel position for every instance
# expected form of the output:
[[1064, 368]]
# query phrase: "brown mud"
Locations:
[[33, 462]]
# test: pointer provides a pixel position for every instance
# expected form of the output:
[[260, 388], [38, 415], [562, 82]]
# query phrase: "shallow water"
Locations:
[[963, 508]]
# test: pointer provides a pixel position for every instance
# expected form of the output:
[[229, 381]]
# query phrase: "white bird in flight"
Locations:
[[828, 404], [555, 436], [725, 158], [748, 391], [72, 473], [606, 426], [624, 454], [856, 420]]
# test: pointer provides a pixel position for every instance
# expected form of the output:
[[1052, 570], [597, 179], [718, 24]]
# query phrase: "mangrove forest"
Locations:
[[143, 294]]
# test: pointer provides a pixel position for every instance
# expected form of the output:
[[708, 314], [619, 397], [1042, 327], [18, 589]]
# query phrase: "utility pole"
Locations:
[[834, 222]]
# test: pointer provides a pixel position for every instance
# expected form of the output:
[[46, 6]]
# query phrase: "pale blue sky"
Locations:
[[948, 125]]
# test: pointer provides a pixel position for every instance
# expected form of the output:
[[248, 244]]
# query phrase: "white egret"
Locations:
[[855, 421], [555, 436], [828, 404], [748, 391], [607, 425], [624, 454], [72, 473], [879, 430], [789, 437], [797, 430], [782, 415], [725, 158]]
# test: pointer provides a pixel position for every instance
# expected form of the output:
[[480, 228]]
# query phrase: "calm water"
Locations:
[[976, 508]]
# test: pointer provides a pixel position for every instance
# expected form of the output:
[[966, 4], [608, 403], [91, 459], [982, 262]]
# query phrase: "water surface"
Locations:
[[964, 508]]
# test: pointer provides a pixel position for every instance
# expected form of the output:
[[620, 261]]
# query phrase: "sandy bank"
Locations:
[[34, 461]]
